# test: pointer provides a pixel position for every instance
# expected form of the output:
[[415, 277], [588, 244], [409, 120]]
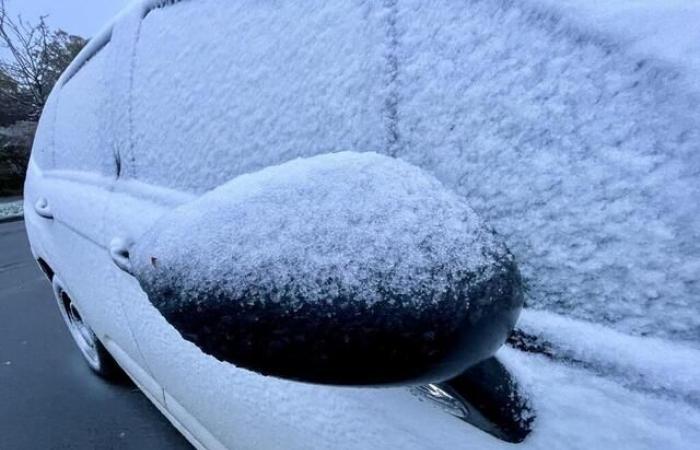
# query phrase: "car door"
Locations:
[[219, 89], [74, 193], [199, 114], [39, 224]]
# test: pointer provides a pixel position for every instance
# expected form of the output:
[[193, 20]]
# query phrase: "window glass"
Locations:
[[79, 140], [223, 88], [42, 148]]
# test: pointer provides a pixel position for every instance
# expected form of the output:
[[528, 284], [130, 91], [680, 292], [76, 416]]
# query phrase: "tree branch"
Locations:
[[37, 56]]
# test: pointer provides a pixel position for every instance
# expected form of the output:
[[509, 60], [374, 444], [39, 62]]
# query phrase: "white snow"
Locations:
[[646, 364], [580, 410], [576, 409], [572, 126], [553, 121], [367, 221], [582, 153], [242, 98], [666, 31], [81, 117]]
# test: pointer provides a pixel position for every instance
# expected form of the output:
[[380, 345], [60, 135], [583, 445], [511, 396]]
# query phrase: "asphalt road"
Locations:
[[49, 398]]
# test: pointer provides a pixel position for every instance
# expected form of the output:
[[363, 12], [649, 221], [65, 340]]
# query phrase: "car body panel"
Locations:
[[154, 393], [144, 117], [74, 243], [235, 404]]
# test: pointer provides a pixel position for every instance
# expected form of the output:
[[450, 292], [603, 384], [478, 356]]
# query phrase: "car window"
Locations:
[[42, 149], [216, 94], [79, 141]]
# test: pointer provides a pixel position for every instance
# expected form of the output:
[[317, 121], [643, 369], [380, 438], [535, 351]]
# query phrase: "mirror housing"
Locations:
[[344, 268]]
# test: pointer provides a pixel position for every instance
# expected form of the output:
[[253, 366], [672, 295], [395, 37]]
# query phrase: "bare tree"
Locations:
[[32, 57], [38, 55]]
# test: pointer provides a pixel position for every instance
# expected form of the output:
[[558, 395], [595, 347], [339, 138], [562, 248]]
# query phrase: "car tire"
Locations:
[[93, 351]]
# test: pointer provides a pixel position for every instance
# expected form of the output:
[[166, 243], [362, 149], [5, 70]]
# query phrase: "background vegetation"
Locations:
[[32, 57]]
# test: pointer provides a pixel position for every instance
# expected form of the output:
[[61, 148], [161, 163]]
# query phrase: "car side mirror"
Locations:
[[345, 268]]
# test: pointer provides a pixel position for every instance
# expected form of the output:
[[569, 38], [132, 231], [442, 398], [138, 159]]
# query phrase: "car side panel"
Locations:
[[221, 405], [72, 170], [216, 400]]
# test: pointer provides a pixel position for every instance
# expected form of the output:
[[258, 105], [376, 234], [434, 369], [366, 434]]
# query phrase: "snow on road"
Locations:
[[11, 209]]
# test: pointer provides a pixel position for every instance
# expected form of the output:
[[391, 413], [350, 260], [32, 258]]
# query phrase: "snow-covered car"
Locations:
[[269, 216]]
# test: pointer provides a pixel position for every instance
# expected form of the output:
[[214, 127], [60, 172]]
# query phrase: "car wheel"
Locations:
[[94, 353]]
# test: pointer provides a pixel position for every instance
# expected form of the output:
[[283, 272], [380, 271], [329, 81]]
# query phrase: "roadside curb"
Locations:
[[15, 218]]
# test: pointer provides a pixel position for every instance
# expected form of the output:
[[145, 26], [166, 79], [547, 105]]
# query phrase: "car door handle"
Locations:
[[42, 208], [119, 252]]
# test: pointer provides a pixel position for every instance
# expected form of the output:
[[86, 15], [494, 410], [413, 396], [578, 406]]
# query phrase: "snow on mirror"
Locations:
[[345, 268]]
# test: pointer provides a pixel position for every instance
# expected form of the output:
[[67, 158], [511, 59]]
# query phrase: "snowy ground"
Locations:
[[11, 209]]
